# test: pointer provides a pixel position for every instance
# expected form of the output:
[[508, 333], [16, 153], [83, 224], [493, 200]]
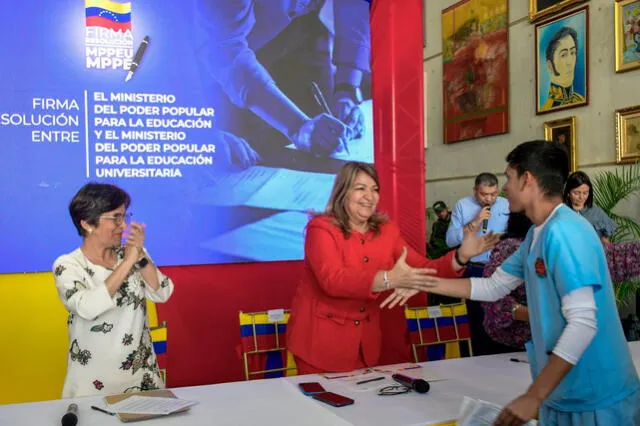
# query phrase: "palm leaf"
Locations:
[[627, 229], [611, 187], [624, 290]]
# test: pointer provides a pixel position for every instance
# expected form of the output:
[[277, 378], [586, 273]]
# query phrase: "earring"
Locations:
[[90, 230]]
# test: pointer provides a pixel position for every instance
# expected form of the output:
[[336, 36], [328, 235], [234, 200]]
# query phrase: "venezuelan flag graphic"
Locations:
[[108, 14]]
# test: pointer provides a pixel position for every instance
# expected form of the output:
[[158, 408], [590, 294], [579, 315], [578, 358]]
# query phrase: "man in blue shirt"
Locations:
[[486, 212], [262, 57], [484, 205]]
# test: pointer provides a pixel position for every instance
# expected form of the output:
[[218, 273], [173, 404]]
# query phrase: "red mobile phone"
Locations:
[[333, 399], [311, 388]]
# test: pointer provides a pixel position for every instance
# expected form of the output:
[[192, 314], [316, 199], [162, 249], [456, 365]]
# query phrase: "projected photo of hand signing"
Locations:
[[225, 120]]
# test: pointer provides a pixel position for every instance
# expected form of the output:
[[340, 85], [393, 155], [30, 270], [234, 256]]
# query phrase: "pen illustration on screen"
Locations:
[[136, 60]]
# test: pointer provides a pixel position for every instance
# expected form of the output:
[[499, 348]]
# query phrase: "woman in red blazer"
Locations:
[[352, 253]]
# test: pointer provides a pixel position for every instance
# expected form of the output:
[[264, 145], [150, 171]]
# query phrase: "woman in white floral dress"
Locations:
[[104, 286]]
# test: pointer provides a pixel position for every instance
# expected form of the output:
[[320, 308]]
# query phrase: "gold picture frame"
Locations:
[[563, 131], [628, 135], [536, 12], [627, 37]]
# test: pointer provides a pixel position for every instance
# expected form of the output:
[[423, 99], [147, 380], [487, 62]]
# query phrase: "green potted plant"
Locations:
[[609, 189]]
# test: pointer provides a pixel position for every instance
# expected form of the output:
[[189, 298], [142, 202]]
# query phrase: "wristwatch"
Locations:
[[456, 256], [354, 92], [142, 263]]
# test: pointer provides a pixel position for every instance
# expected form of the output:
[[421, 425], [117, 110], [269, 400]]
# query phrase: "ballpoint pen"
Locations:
[[518, 360], [362, 382], [102, 410], [319, 97]]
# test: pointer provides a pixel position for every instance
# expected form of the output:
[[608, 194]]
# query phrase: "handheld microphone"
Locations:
[[418, 385], [71, 416], [485, 223]]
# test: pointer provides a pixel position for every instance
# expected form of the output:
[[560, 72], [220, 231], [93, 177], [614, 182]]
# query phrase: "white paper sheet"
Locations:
[[136, 404], [277, 237], [476, 412], [272, 188], [360, 149]]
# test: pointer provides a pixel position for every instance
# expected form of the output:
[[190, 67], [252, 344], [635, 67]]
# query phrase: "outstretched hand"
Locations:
[[407, 281], [403, 275], [473, 245], [400, 296]]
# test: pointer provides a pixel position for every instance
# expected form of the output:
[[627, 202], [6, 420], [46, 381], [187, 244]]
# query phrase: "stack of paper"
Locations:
[[476, 412], [137, 404]]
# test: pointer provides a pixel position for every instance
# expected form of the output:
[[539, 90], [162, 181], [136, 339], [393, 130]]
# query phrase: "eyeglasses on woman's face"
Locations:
[[118, 218]]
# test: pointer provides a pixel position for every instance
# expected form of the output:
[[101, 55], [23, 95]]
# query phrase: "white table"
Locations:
[[277, 402]]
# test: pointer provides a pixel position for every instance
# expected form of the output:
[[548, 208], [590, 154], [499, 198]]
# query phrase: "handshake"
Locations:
[[407, 281]]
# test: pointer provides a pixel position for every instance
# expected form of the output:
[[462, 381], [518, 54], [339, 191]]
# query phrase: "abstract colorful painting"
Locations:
[[475, 69]]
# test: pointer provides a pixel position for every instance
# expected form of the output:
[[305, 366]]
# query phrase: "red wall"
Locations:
[[202, 313]]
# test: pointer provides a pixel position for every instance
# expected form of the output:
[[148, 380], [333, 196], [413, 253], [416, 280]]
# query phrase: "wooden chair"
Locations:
[[263, 345], [439, 332]]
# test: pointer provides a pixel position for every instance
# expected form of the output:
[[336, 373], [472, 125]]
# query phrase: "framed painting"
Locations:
[[562, 62], [563, 131], [540, 9], [475, 69], [628, 135], [627, 30]]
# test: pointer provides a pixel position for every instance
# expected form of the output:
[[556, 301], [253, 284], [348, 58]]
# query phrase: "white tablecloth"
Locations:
[[278, 402]]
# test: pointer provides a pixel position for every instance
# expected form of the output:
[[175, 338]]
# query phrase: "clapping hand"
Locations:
[[134, 241]]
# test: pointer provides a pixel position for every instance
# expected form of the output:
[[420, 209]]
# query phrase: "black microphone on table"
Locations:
[[71, 416], [418, 385]]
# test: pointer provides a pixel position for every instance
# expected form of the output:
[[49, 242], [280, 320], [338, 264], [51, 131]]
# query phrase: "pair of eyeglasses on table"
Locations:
[[393, 390]]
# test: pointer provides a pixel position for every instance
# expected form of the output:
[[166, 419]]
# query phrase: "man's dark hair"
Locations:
[[547, 161], [94, 199], [575, 180], [488, 179], [555, 41]]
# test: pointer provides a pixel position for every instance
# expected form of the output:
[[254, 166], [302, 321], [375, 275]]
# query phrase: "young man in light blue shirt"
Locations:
[[583, 373]]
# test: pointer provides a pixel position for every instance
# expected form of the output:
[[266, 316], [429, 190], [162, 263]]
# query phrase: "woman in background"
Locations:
[[507, 320], [578, 194], [104, 286], [352, 254]]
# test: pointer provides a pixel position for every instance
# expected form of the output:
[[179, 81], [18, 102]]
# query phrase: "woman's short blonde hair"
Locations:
[[336, 207]]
